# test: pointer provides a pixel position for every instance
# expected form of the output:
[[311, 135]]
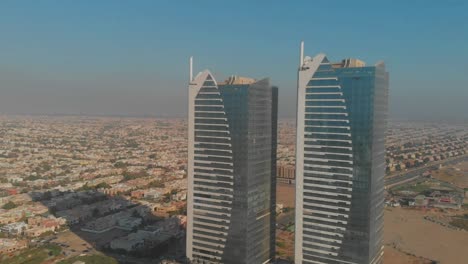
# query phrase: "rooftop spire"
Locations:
[[301, 59], [191, 69]]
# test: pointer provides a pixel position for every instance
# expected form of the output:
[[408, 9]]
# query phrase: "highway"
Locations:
[[416, 173]]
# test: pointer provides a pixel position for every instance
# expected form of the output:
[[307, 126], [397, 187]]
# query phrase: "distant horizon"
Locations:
[[143, 116], [131, 58]]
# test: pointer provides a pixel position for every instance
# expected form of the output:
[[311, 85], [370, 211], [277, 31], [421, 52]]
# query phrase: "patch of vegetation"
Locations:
[[156, 184], [43, 167], [103, 185], [9, 205], [54, 250], [92, 259], [31, 256], [32, 178], [85, 188], [280, 244], [460, 222], [34, 255], [133, 175], [416, 188], [47, 233], [120, 164]]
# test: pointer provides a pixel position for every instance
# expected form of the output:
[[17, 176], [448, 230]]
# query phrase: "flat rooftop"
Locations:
[[349, 63], [233, 79]]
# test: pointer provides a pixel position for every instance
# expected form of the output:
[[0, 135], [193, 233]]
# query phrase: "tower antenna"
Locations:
[[191, 69], [301, 59]]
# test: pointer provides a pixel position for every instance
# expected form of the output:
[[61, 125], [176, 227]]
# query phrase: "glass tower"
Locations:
[[231, 170], [341, 122]]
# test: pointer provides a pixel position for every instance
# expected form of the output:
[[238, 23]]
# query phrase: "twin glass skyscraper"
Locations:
[[340, 161], [231, 170], [341, 123]]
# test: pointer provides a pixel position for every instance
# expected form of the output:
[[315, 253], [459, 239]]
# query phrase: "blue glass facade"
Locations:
[[233, 170], [340, 162]]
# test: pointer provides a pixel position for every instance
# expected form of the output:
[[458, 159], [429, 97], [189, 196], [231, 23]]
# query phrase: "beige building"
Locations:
[[9, 246]]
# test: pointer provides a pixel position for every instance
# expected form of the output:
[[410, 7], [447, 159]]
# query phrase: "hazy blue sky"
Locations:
[[130, 57]]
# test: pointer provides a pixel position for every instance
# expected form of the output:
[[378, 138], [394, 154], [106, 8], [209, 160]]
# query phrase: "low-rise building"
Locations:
[[9, 246], [16, 228]]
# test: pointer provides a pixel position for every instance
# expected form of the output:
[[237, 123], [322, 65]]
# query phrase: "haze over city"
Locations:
[[233, 132], [130, 58]]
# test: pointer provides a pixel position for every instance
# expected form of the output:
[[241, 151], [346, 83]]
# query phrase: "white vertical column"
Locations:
[[191, 69], [299, 156], [301, 59], [193, 88]]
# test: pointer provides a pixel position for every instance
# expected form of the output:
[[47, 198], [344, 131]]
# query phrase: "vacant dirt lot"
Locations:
[[409, 239], [72, 244], [407, 231], [394, 256], [285, 194], [455, 174]]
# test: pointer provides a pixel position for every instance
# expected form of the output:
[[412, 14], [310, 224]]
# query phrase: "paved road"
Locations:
[[434, 163], [414, 174]]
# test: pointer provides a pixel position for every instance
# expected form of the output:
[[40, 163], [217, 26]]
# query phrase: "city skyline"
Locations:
[[123, 59]]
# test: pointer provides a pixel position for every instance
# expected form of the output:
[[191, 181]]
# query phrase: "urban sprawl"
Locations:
[[84, 186]]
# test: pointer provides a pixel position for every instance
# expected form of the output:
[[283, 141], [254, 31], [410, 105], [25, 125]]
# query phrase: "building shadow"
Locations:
[[90, 220]]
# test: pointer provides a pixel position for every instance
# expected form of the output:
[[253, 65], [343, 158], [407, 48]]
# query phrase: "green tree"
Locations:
[[54, 250], [156, 184], [167, 197], [120, 164], [9, 205], [84, 188], [32, 178], [104, 185]]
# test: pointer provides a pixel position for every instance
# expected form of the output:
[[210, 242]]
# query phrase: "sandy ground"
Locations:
[[394, 256], [408, 231], [456, 174], [409, 239], [74, 245], [285, 194]]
